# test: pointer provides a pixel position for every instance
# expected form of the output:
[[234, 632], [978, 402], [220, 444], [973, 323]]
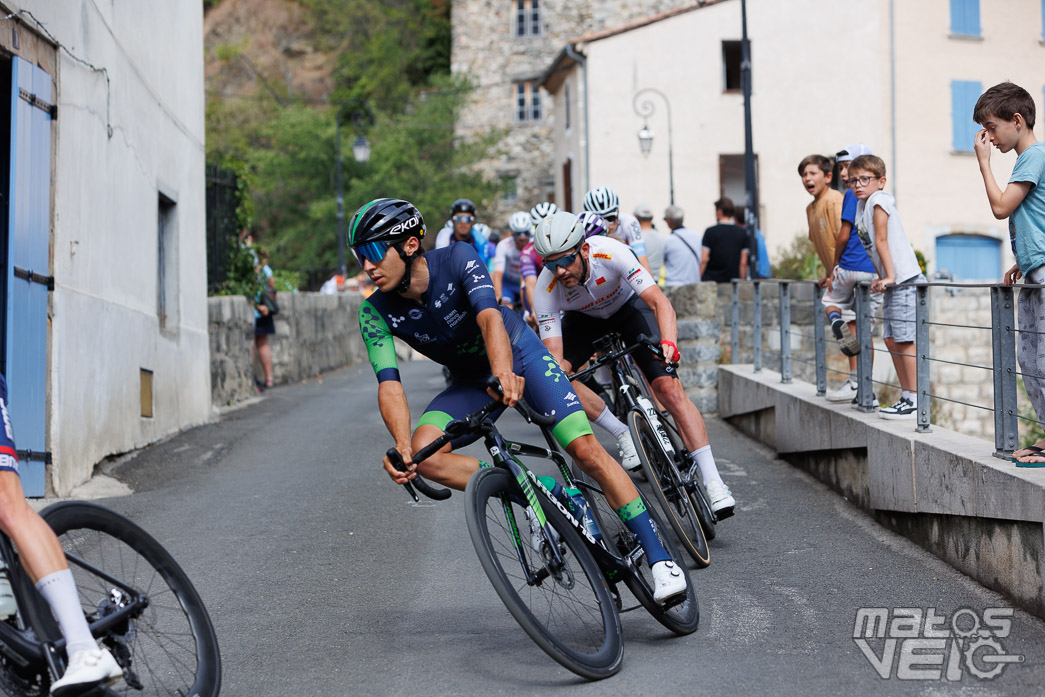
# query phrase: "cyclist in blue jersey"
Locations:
[[462, 228], [442, 304], [41, 554]]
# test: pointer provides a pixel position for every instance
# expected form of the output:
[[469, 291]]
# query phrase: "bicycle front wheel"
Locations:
[[569, 611], [668, 488], [168, 647]]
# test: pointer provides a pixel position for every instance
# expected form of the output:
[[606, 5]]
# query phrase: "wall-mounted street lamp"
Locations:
[[645, 110], [361, 153]]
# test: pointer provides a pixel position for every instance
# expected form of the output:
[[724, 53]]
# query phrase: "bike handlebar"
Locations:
[[643, 340], [466, 424]]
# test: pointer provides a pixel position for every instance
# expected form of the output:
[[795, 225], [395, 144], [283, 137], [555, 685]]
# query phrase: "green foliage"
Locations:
[[799, 261], [923, 264], [392, 85]]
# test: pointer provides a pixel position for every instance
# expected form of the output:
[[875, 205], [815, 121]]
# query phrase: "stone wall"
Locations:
[[699, 335], [314, 333]]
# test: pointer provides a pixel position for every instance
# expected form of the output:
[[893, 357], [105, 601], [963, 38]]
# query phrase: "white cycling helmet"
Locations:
[[542, 211], [601, 200], [559, 233], [521, 223]]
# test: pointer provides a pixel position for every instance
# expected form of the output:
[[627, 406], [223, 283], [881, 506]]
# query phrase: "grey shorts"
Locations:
[[898, 311], [843, 293]]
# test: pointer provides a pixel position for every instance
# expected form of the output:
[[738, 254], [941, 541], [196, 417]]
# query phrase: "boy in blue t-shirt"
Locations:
[[1006, 112], [852, 266]]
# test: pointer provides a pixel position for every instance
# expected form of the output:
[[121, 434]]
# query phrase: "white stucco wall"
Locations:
[[104, 325], [821, 80]]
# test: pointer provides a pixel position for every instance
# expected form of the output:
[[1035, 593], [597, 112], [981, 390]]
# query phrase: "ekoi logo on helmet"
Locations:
[[406, 226]]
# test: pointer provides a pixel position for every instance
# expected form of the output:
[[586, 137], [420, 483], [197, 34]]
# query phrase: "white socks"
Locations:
[[706, 463], [59, 590], [606, 420]]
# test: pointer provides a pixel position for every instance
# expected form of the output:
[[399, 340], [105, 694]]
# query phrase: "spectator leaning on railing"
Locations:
[[1006, 112]]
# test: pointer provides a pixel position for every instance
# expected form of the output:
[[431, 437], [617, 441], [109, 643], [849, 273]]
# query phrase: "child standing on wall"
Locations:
[[1006, 112], [851, 267], [881, 232]]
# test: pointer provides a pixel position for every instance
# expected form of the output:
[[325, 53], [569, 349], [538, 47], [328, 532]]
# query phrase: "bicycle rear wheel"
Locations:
[[668, 488], [569, 613], [682, 618], [693, 483], [168, 647]]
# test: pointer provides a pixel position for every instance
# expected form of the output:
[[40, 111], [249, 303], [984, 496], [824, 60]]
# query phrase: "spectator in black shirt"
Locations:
[[724, 252]]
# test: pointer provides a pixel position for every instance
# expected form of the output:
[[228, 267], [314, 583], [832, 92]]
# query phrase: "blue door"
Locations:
[[969, 257], [28, 277]]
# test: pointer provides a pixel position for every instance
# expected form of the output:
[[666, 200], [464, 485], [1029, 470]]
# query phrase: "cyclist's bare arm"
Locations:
[[664, 312], [499, 351], [391, 400]]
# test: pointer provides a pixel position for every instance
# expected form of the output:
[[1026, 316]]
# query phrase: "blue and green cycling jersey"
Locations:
[[444, 327]]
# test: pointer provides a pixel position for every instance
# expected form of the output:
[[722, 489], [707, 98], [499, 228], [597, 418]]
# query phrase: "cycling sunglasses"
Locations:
[[464, 218], [371, 251], [561, 261]]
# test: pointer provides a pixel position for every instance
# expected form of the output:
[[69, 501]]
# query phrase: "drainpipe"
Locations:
[[587, 149], [892, 97]]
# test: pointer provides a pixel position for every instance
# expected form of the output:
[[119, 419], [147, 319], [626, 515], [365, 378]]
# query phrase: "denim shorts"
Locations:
[[898, 311]]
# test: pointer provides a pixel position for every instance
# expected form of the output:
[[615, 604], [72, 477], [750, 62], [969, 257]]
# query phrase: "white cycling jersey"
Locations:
[[614, 276], [507, 258], [630, 233]]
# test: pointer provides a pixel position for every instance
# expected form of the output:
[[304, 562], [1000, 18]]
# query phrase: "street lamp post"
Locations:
[[750, 180], [645, 110], [361, 153]]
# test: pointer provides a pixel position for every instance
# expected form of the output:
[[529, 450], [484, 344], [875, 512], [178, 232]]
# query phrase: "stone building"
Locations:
[[504, 47]]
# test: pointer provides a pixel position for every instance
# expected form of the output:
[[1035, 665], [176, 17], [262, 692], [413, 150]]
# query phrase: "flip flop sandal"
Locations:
[[1034, 450]]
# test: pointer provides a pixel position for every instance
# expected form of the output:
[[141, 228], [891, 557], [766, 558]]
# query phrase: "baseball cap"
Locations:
[[643, 212], [851, 152]]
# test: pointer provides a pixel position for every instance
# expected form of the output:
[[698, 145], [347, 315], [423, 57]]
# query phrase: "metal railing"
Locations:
[[1003, 332]]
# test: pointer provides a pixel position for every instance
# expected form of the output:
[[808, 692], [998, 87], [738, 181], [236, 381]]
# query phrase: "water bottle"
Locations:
[[574, 502], [8, 604]]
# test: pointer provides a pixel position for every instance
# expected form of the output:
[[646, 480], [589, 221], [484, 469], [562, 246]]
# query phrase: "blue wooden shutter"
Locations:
[[28, 227], [965, 17], [963, 98], [969, 257]]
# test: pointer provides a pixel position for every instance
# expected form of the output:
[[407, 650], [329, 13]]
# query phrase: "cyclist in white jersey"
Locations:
[[592, 286], [620, 226], [507, 270]]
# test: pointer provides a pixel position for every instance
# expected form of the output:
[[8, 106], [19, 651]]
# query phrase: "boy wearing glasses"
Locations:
[[881, 232], [1006, 112], [851, 266]]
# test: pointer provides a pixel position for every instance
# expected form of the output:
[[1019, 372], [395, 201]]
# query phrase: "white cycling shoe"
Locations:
[[721, 499], [668, 581], [629, 459], [87, 670]]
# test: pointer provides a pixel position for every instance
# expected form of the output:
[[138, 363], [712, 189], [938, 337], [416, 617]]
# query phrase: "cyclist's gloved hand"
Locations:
[[398, 476], [511, 388], [670, 351]]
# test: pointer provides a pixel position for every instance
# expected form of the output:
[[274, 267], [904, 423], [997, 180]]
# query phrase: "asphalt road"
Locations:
[[322, 579]]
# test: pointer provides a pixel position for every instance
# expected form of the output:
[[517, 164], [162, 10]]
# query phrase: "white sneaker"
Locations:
[[668, 581], [845, 393], [87, 669], [722, 501], [629, 459]]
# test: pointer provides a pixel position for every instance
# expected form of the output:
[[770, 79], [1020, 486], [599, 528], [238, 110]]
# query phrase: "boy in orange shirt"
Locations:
[[825, 211]]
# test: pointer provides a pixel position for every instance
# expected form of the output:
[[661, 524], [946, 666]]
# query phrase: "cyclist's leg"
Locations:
[[446, 467], [668, 389], [549, 391], [41, 554], [579, 332]]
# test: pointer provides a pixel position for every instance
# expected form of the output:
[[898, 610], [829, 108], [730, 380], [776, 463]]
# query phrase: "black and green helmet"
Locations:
[[387, 220]]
